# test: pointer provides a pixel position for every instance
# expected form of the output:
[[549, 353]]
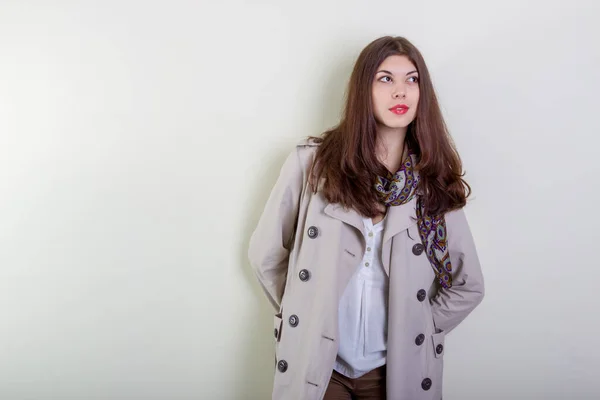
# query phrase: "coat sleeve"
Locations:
[[451, 306], [271, 241]]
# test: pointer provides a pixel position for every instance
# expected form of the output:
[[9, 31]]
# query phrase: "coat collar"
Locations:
[[398, 218], [348, 216]]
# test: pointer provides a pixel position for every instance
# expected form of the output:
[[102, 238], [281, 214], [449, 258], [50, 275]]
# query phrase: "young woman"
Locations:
[[363, 247]]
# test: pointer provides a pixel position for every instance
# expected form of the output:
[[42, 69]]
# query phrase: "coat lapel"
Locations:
[[398, 219], [352, 247], [348, 216]]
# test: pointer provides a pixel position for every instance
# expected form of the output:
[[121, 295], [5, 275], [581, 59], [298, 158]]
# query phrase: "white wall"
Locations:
[[139, 140]]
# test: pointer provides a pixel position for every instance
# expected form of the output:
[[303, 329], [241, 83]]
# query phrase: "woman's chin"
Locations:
[[396, 124]]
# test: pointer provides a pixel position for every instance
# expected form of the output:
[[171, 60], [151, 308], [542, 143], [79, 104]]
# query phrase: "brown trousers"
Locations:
[[370, 386]]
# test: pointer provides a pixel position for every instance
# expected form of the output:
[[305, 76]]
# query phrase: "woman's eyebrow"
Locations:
[[388, 72]]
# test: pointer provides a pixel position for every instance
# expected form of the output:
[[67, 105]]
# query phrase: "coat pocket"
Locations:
[[437, 340], [436, 364]]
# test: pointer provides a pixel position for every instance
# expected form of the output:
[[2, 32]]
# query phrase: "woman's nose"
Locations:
[[399, 93]]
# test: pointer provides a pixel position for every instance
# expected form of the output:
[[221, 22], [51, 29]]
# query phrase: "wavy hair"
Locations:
[[346, 161]]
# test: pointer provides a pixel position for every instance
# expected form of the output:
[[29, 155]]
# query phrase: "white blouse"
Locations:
[[363, 311]]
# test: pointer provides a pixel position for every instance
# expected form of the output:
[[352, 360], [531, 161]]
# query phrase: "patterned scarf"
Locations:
[[400, 188]]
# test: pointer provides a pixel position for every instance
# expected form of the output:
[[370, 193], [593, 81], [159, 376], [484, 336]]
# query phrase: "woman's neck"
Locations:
[[390, 146]]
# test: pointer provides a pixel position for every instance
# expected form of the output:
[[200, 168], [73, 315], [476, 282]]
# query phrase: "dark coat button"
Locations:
[[282, 365], [304, 275], [439, 349], [313, 232], [276, 333], [419, 339], [421, 294], [426, 384], [294, 321], [418, 249]]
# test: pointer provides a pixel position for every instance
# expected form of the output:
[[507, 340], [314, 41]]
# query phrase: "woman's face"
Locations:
[[396, 92]]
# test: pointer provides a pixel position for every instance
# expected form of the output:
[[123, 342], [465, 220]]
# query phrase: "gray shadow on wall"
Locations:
[[257, 362]]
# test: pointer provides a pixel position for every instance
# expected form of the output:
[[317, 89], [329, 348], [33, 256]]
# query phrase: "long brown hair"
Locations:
[[346, 158]]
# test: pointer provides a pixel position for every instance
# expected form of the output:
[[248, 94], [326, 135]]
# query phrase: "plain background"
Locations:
[[139, 141]]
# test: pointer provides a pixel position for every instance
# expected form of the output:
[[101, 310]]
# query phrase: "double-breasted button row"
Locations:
[[419, 340], [282, 365], [417, 250], [312, 233]]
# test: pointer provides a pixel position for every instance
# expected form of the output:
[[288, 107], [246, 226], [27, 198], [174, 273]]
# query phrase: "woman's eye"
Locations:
[[383, 79], [414, 79]]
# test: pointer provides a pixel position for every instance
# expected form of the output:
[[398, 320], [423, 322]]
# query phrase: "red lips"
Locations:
[[399, 109]]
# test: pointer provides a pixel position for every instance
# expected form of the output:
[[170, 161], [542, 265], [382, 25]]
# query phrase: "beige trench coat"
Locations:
[[305, 250]]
